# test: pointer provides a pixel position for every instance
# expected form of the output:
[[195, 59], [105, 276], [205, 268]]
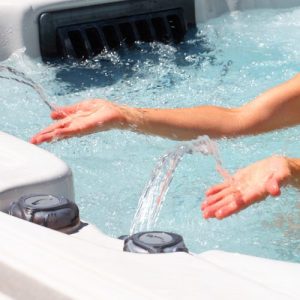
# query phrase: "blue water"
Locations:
[[227, 62]]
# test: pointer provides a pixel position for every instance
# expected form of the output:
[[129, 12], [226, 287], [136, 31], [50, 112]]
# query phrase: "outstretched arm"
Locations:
[[251, 184], [276, 108]]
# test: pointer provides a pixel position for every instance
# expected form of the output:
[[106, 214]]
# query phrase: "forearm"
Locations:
[[276, 108], [184, 123]]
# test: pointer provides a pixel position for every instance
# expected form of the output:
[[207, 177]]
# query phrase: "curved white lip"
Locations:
[[27, 169], [90, 265]]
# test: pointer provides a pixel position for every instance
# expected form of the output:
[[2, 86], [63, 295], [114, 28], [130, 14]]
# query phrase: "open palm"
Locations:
[[80, 119], [247, 186]]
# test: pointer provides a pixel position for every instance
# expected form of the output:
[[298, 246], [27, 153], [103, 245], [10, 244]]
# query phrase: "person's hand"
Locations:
[[80, 119], [247, 186]]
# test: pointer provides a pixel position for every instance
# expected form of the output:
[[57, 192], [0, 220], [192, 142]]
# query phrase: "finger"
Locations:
[[64, 111], [209, 211], [69, 132], [60, 124], [216, 188], [59, 114], [231, 208], [211, 200], [229, 205], [57, 134], [41, 138], [272, 187], [33, 140], [47, 132]]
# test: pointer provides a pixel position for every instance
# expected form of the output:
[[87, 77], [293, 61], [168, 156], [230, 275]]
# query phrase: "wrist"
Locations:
[[294, 167], [130, 117], [121, 120]]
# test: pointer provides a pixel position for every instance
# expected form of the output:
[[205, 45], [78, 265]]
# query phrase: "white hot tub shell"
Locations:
[[39, 263]]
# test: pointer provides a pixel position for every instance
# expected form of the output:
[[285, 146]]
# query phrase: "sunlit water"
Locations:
[[227, 62]]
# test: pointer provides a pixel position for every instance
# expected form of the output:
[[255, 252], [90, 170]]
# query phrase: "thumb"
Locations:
[[272, 186], [59, 114]]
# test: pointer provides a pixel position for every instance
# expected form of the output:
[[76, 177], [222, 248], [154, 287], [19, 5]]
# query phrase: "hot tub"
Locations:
[[38, 262]]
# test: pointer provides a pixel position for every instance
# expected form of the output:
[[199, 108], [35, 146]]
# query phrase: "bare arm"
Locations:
[[276, 108]]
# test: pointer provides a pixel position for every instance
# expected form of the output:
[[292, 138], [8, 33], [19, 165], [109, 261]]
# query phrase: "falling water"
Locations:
[[22, 78], [153, 196], [232, 4]]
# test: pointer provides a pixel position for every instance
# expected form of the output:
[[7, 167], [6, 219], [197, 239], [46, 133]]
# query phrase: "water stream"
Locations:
[[154, 194], [20, 77]]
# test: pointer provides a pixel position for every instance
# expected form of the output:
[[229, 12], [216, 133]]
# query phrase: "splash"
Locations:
[[20, 77], [154, 194]]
